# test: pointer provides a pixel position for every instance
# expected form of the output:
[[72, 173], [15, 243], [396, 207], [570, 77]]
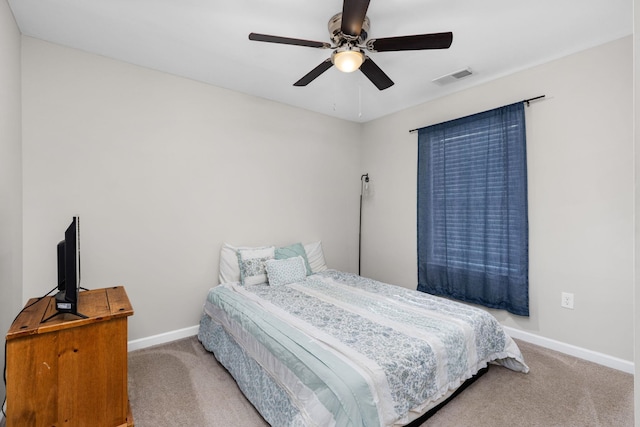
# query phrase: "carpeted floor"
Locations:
[[181, 384]]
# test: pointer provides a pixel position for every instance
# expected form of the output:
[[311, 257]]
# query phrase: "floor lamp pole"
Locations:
[[364, 178]]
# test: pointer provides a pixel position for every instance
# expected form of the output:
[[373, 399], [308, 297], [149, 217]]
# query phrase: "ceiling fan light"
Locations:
[[347, 61]]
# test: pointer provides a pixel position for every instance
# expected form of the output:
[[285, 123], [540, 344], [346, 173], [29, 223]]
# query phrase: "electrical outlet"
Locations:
[[567, 300]]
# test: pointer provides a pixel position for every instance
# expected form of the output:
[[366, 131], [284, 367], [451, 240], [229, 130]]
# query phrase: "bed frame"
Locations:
[[431, 412]]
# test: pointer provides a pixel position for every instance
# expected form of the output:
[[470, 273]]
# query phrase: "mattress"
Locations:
[[340, 349]]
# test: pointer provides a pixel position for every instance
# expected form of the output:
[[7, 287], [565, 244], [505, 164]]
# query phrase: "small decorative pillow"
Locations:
[[292, 251], [284, 271], [251, 263]]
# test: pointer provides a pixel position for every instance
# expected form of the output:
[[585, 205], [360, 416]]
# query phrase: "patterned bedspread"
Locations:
[[351, 351]]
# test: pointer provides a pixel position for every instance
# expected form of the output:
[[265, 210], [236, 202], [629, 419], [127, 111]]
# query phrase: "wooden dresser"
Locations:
[[70, 371]]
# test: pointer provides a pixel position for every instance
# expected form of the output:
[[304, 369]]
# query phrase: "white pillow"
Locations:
[[287, 270], [229, 267], [251, 263], [315, 256]]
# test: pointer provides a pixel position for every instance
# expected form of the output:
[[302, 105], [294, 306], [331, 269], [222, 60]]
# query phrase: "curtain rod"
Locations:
[[527, 101]]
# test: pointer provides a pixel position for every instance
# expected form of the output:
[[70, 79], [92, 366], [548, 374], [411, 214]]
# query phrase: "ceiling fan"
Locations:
[[349, 32]]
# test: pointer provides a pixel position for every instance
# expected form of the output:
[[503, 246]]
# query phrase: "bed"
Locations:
[[310, 346]]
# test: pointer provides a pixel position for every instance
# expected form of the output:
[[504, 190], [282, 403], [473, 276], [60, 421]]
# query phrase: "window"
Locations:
[[472, 209]]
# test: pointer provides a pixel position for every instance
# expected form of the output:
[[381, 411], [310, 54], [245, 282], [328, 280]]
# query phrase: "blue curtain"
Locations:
[[473, 239]]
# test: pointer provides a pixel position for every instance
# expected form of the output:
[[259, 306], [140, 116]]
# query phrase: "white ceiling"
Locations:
[[207, 40]]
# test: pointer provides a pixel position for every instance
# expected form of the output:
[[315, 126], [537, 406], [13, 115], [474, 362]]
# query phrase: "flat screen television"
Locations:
[[68, 253]]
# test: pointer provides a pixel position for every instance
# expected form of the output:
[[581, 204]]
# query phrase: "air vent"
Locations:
[[453, 77]]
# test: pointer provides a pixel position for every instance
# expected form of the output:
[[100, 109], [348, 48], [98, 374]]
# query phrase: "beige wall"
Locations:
[[162, 170], [10, 174], [581, 186], [636, 115]]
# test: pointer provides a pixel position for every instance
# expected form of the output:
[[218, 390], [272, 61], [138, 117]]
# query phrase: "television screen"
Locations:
[[69, 270], [72, 261], [61, 275]]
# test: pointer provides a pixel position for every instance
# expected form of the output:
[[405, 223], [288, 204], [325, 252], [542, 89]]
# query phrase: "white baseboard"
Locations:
[[162, 338], [572, 350]]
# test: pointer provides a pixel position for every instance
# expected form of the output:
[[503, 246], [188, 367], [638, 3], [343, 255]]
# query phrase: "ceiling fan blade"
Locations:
[[353, 14], [313, 74], [417, 42], [287, 40], [375, 74]]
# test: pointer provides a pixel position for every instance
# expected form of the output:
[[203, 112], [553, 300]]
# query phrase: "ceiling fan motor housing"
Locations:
[[339, 39]]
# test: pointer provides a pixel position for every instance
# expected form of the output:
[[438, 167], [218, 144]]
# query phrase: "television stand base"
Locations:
[[64, 312]]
